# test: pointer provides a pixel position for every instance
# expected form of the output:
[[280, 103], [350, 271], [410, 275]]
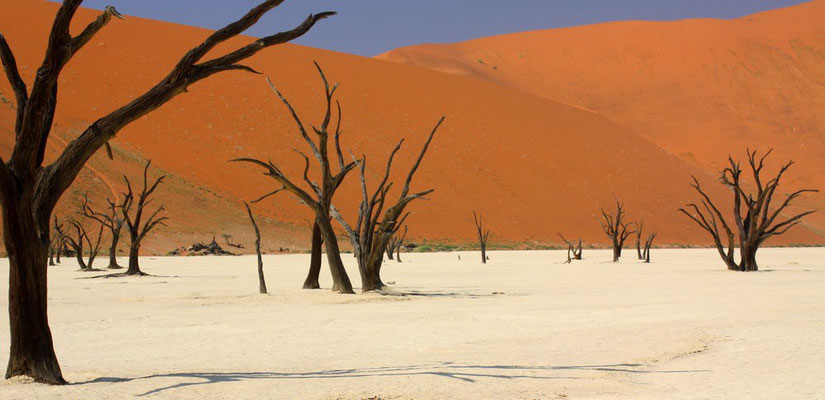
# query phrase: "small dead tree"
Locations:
[[639, 228], [400, 243], [753, 218], [648, 244], [483, 236], [261, 279], [57, 242], [229, 242], [111, 221], [616, 229], [574, 252], [29, 190], [372, 231], [319, 196], [134, 223], [78, 245]]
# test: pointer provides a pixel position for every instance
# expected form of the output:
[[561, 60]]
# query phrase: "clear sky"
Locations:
[[371, 27]]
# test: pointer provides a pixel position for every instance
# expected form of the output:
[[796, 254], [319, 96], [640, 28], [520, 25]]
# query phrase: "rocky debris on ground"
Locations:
[[201, 249]]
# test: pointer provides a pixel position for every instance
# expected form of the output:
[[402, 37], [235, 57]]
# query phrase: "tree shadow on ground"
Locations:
[[465, 373], [465, 293]]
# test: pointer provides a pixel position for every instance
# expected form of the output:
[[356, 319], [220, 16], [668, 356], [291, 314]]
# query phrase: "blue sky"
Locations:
[[370, 27]]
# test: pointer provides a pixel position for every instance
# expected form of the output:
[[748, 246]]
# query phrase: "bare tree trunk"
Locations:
[[639, 254], [51, 254], [261, 280], [483, 236], [390, 249], [134, 261], [648, 244], [340, 279], [311, 281], [113, 250], [31, 352]]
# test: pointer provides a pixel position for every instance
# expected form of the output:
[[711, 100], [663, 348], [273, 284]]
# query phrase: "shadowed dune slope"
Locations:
[[532, 166], [701, 89]]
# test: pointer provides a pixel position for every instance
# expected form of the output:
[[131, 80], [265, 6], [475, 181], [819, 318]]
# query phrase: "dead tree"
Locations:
[[77, 246], [616, 229], [640, 227], [261, 279], [134, 223], [648, 244], [753, 218], [574, 252], [482, 236], [57, 242], [228, 239], [394, 245], [29, 190], [317, 197], [371, 233], [399, 243], [111, 221]]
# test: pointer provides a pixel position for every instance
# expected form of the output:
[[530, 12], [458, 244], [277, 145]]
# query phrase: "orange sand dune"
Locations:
[[700, 89], [532, 166]]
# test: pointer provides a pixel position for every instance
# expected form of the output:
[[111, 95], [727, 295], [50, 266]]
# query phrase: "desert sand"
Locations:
[[525, 326]]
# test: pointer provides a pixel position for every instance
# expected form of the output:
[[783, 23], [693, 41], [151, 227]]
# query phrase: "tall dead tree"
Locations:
[[616, 229], [111, 221], [753, 218], [134, 223], [483, 236], [372, 231], [29, 190], [317, 197], [78, 246], [574, 252], [261, 279]]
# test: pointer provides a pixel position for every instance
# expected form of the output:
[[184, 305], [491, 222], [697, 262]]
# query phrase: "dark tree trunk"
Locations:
[[311, 281], [32, 351], [371, 277], [51, 256], [483, 236], [261, 279], [748, 262], [617, 252], [397, 253], [390, 248], [113, 250], [134, 261], [80, 261], [340, 279]]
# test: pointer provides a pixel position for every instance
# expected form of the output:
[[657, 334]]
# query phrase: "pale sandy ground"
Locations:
[[682, 327]]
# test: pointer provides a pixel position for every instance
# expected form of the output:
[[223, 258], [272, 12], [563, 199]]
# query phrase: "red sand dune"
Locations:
[[532, 166], [700, 89]]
